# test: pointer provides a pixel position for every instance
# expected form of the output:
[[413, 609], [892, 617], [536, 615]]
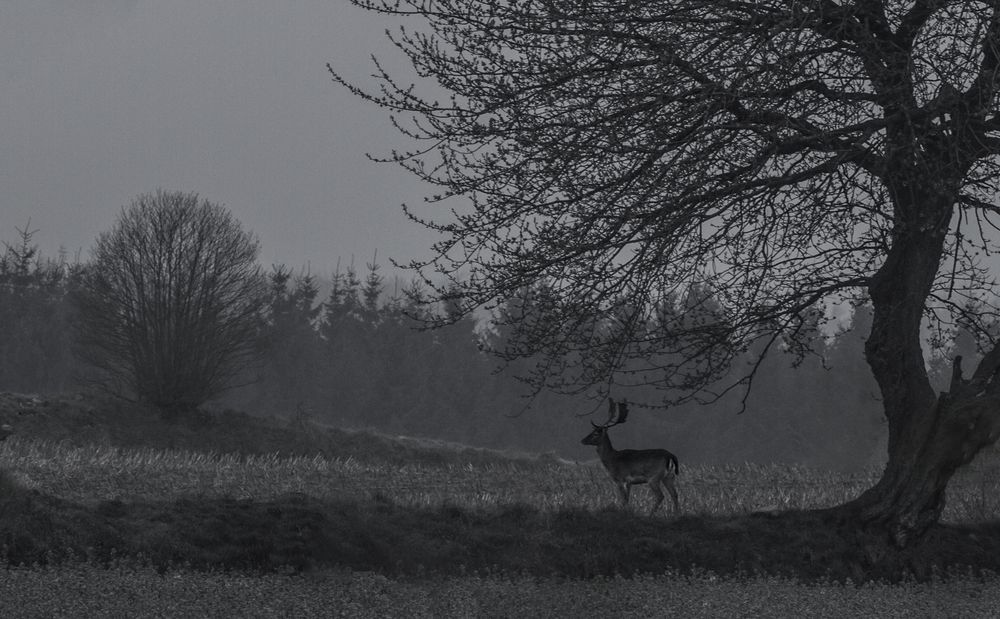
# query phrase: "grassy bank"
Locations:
[[81, 484], [538, 517]]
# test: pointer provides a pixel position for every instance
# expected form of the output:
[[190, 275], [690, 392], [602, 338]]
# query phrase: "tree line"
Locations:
[[348, 351]]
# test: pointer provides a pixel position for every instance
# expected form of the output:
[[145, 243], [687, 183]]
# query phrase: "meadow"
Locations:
[[369, 525], [108, 473]]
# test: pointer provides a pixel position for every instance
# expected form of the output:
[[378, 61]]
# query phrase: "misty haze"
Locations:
[[489, 308]]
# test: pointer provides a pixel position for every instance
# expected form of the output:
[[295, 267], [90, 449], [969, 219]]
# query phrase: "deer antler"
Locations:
[[611, 414], [622, 411], [621, 408]]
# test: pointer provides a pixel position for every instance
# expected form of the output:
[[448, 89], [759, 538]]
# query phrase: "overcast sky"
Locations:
[[106, 99]]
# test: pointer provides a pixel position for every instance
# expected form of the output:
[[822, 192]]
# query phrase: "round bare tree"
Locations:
[[170, 304]]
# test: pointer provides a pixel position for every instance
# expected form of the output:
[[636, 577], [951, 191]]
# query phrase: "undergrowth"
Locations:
[[303, 533], [422, 509]]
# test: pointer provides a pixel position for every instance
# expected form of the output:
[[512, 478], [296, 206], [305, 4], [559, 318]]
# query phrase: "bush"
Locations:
[[172, 301]]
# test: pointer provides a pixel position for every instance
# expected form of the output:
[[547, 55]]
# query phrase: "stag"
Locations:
[[634, 466]]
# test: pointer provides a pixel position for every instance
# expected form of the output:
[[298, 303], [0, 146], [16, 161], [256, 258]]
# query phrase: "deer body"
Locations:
[[655, 467]]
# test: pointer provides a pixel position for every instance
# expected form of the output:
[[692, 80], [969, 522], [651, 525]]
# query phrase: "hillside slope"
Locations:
[[82, 419]]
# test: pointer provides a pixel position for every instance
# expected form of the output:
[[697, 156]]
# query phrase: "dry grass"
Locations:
[[133, 591], [92, 473], [541, 516], [377, 527]]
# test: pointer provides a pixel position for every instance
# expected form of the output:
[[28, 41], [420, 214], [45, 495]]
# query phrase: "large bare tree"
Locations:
[[772, 156], [171, 302]]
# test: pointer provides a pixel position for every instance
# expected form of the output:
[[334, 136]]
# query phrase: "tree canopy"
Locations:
[[171, 303], [626, 152], [781, 156]]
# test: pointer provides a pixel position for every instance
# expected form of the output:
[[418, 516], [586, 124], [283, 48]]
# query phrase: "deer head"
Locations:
[[594, 438]]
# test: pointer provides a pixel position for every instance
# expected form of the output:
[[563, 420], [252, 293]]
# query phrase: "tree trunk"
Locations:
[[930, 435], [924, 454]]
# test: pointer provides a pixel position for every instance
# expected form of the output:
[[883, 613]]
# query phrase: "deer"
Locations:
[[634, 466]]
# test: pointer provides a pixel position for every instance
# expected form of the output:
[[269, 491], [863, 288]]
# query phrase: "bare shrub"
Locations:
[[170, 304]]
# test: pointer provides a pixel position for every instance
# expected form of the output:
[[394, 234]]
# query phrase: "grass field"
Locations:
[[370, 526], [130, 591], [108, 473]]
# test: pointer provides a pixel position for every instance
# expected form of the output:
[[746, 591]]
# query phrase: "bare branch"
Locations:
[[617, 158]]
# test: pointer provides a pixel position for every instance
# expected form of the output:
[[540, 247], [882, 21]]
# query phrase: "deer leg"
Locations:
[[668, 483], [624, 490], [654, 485]]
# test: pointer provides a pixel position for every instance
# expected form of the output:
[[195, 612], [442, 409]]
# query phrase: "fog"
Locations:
[[355, 359], [105, 100]]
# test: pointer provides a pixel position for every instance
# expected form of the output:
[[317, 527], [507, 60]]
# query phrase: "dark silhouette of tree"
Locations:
[[344, 331], [171, 303], [292, 360], [35, 315], [849, 396], [780, 155], [371, 292]]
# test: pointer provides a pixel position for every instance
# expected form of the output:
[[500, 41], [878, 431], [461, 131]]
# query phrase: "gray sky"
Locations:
[[106, 99]]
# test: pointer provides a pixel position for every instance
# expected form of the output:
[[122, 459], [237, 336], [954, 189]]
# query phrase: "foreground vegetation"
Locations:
[[135, 591], [323, 520], [540, 517]]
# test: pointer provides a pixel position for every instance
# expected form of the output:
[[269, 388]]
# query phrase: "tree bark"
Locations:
[[930, 435], [928, 448]]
